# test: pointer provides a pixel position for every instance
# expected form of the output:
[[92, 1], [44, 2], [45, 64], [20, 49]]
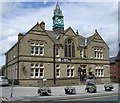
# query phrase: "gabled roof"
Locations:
[[69, 28], [90, 38], [55, 38], [36, 27], [37, 24]]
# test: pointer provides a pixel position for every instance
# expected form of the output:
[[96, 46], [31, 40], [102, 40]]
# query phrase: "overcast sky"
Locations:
[[22, 15]]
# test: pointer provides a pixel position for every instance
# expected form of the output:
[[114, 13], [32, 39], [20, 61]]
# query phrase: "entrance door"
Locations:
[[83, 75], [82, 72]]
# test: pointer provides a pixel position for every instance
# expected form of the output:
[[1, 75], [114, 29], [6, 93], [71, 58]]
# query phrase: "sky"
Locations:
[[82, 15]]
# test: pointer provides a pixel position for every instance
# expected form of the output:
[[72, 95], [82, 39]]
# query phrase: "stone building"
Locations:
[[59, 56], [115, 67]]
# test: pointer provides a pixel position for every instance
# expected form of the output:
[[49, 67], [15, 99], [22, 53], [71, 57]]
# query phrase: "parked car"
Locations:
[[4, 81]]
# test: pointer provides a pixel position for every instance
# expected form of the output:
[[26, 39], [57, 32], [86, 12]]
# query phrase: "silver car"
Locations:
[[4, 81]]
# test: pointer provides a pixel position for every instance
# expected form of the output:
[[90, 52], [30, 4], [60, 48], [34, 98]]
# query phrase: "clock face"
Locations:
[[59, 20]]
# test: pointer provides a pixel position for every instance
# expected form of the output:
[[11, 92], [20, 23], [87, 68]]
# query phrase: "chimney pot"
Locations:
[[20, 35]]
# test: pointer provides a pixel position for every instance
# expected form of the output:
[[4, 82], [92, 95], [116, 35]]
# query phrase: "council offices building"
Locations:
[[59, 56]]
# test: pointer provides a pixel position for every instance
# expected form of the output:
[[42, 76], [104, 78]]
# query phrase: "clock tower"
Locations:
[[58, 20]]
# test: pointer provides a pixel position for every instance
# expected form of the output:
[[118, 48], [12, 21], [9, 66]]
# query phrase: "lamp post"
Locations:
[[79, 72], [44, 80], [14, 71]]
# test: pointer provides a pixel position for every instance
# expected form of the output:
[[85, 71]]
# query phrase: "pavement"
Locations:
[[30, 93]]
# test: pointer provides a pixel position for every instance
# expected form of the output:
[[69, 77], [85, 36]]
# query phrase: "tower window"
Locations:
[[69, 48], [57, 52]]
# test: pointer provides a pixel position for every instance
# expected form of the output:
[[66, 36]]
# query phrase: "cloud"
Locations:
[[83, 16]]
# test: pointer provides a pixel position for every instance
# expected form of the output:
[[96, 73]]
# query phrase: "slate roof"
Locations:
[[112, 60], [52, 35], [55, 39], [118, 56], [81, 40], [89, 39]]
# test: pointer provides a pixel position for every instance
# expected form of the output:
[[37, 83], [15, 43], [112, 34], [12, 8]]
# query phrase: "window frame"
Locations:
[[41, 51], [41, 72], [36, 70], [69, 48], [98, 53], [57, 52]]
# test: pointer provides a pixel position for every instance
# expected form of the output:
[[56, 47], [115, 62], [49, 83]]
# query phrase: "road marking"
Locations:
[[89, 98], [4, 99]]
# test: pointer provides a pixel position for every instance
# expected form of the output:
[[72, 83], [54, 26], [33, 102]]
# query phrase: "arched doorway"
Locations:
[[82, 72]]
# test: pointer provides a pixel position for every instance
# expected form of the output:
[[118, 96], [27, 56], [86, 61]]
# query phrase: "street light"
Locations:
[[44, 80], [79, 72], [11, 95]]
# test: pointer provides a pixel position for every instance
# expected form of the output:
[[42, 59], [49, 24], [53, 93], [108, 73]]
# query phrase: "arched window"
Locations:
[[69, 48]]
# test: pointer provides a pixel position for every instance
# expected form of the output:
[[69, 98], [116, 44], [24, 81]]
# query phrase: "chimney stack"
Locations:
[[42, 25], [20, 35]]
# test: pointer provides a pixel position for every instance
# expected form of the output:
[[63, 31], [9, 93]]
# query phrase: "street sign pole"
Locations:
[[11, 95]]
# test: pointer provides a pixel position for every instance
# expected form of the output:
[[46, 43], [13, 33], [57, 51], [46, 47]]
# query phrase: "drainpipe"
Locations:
[[18, 62], [6, 66], [54, 71]]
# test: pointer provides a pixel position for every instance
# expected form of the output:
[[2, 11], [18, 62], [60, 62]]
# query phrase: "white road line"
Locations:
[[4, 99], [88, 98]]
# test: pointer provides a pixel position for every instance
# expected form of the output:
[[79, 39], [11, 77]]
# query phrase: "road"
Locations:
[[30, 94], [100, 99]]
